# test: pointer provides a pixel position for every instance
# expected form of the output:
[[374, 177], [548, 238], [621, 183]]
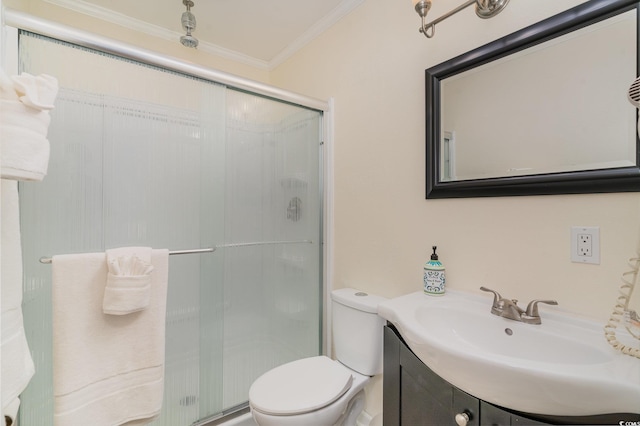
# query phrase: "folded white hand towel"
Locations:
[[107, 369], [17, 365], [128, 286], [25, 102]]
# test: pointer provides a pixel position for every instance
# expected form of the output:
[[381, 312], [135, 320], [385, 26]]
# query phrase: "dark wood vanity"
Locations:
[[414, 395]]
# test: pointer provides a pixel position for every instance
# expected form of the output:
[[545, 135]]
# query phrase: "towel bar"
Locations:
[[212, 249]]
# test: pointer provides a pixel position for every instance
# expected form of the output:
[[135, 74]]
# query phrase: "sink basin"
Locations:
[[563, 366], [479, 332]]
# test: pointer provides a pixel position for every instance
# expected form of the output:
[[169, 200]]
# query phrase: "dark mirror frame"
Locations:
[[624, 179]]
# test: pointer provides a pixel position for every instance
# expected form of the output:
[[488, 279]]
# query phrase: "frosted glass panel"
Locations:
[[132, 149], [271, 291], [145, 156]]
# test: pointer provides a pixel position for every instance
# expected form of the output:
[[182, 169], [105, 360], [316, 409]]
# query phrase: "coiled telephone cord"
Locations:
[[621, 309]]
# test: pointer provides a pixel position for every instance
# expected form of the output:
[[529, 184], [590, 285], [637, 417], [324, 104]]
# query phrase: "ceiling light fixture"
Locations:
[[484, 9], [188, 24]]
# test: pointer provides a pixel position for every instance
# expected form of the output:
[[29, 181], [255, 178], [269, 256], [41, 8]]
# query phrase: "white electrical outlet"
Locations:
[[585, 244]]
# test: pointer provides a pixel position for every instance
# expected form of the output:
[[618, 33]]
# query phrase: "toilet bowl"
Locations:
[[315, 391], [320, 391]]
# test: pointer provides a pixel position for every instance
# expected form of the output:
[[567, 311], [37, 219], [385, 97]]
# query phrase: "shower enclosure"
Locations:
[[146, 156]]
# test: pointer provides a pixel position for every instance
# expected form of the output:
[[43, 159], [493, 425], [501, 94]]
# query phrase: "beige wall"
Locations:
[[372, 62]]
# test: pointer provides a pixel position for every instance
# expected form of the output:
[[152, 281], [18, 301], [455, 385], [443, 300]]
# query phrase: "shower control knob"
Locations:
[[462, 419]]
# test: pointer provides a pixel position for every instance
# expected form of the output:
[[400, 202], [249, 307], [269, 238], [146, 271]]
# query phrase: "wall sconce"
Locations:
[[484, 9], [188, 24]]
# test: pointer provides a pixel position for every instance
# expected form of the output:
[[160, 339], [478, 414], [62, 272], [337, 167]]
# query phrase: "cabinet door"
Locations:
[[493, 416], [391, 379], [523, 421], [425, 397]]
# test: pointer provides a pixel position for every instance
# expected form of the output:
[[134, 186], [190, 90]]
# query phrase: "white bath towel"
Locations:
[[25, 101], [107, 369], [128, 286], [17, 366]]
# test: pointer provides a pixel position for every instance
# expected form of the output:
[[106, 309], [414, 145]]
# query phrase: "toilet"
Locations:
[[319, 391]]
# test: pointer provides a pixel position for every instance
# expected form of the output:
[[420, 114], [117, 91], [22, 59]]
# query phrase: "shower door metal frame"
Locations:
[[24, 21], [12, 21]]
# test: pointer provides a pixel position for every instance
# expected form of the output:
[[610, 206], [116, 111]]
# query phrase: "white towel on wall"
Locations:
[[25, 101], [17, 365], [107, 369]]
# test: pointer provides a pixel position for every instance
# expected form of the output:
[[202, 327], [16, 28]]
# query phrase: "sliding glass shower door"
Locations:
[[142, 156]]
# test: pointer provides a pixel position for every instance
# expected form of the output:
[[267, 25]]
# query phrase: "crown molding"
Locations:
[[343, 9], [113, 17], [108, 15]]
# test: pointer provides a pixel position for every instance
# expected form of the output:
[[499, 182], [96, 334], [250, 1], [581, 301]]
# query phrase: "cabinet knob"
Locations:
[[462, 419]]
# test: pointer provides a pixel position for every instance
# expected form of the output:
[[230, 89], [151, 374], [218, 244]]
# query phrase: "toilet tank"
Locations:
[[357, 330]]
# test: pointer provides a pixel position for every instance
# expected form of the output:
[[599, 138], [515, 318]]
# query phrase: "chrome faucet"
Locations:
[[508, 308]]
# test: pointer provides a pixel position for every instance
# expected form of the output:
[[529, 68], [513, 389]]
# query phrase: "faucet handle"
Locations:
[[496, 308], [496, 295], [532, 307]]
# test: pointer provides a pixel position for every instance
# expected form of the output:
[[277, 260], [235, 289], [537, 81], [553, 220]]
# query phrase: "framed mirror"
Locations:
[[541, 111]]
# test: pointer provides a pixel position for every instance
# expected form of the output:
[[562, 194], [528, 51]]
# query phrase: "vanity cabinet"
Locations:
[[492, 415], [414, 395]]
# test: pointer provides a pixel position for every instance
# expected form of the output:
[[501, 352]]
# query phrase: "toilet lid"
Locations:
[[300, 386]]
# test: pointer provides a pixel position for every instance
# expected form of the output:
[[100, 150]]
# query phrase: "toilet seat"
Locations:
[[286, 389]]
